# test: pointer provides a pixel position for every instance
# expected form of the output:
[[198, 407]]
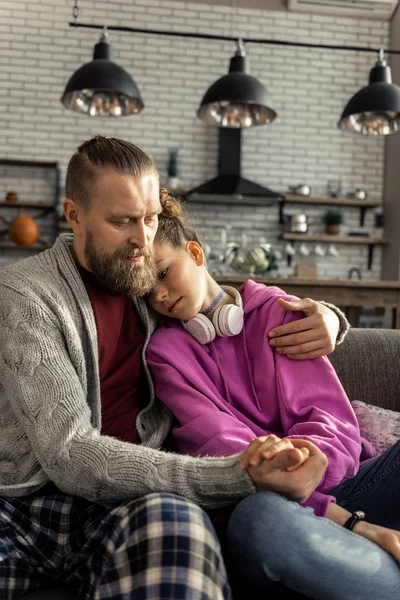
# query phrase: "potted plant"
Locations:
[[333, 219]]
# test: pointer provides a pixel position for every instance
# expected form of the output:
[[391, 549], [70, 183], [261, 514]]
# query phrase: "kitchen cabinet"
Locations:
[[369, 241], [363, 205]]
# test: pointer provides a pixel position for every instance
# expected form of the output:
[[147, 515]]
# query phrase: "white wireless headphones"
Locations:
[[226, 321]]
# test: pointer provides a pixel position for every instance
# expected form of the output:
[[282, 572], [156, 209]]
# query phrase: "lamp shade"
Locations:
[[236, 99], [101, 87], [375, 109]]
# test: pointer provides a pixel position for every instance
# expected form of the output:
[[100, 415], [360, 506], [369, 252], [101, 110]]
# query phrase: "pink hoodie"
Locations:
[[234, 389]]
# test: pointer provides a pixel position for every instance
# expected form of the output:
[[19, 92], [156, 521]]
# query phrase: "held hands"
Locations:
[[313, 336], [292, 468], [269, 446]]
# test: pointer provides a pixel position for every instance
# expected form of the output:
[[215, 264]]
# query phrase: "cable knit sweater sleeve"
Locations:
[[45, 388], [344, 325]]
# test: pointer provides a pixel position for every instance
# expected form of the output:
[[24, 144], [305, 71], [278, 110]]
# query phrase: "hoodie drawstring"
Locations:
[[246, 353], [215, 357]]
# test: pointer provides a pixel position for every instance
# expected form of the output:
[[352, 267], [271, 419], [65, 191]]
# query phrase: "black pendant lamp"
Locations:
[[101, 87], [375, 109], [237, 99]]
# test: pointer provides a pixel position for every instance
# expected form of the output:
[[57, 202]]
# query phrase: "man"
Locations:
[[87, 494]]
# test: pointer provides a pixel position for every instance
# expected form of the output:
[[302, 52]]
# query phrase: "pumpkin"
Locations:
[[23, 230]]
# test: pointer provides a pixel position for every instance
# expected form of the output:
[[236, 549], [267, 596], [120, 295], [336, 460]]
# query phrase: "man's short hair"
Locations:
[[100, 151]]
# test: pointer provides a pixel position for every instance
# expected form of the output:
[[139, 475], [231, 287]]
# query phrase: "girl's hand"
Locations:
[[387, 539], [310, 337], [267, 447]]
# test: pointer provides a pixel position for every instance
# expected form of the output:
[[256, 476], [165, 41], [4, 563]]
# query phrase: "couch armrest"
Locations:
[[368, 365]]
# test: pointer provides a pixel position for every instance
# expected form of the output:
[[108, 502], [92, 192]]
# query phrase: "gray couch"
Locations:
[[368, 365]]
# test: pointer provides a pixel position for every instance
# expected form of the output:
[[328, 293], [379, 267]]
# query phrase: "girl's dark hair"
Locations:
[[172, 228]]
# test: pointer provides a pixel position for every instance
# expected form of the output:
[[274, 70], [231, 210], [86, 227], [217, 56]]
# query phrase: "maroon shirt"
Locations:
[[120, 336]]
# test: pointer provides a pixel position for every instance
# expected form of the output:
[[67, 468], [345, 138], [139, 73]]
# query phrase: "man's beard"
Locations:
[[118, 273]]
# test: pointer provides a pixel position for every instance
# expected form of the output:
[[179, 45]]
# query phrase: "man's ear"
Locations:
[[72, 212], [196, 251]]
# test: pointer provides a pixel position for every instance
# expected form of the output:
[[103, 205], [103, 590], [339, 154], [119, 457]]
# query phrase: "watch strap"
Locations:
[[356, 516]]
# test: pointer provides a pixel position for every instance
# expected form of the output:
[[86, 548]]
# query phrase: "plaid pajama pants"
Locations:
[[158, 547]]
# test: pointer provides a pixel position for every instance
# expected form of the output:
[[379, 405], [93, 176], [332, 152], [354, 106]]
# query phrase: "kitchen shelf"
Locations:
[[293, 199], [334, 239], [369, 241], [10, 246], [46, 207], [363, 205], [49, 164], [234, 200], [28, 204]]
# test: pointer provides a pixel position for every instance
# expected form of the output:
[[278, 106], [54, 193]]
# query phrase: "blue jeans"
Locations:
[[275, 541]]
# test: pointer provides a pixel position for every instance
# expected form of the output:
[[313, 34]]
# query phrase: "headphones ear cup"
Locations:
[[201, 328], [228, 320]]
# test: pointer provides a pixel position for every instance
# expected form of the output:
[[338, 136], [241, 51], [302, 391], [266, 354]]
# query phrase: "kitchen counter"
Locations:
[[348, 294]]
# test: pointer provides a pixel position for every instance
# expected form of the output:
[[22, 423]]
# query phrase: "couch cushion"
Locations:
[[378, 425], [367, 365]]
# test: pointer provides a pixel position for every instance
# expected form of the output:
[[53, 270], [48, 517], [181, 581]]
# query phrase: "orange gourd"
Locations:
[[23, 230]]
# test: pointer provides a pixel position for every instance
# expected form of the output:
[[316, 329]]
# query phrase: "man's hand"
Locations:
[[311, 337], [274, 474]]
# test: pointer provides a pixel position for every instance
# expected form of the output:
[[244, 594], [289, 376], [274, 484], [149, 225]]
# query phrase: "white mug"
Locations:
[[304, 251], [289, 249], [333, 251]]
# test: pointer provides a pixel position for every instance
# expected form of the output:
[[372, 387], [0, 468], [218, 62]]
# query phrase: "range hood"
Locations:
[[229, 181]]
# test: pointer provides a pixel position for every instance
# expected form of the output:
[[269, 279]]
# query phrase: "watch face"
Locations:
[[360, 514]]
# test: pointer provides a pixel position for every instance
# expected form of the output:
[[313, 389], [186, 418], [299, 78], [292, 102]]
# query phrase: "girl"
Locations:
[[231, 392]]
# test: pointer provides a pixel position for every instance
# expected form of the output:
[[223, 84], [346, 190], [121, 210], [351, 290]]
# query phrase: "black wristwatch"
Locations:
[[357, 515]]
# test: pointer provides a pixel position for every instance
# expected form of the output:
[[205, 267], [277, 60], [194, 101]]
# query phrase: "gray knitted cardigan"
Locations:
[[50, 410]]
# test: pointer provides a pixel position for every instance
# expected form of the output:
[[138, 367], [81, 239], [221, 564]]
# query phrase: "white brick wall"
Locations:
[[308, 90]]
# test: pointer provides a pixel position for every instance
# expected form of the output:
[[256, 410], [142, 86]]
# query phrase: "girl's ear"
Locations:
[[196, 252]]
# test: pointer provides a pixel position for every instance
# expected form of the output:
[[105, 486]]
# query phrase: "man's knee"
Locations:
[[161, 531], [169, 507], [170, 515]]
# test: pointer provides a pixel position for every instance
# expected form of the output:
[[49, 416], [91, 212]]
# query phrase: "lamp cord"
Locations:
[[75, 13], [233, 17]]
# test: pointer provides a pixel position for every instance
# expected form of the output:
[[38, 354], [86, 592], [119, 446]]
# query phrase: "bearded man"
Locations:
[[89, 495]]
